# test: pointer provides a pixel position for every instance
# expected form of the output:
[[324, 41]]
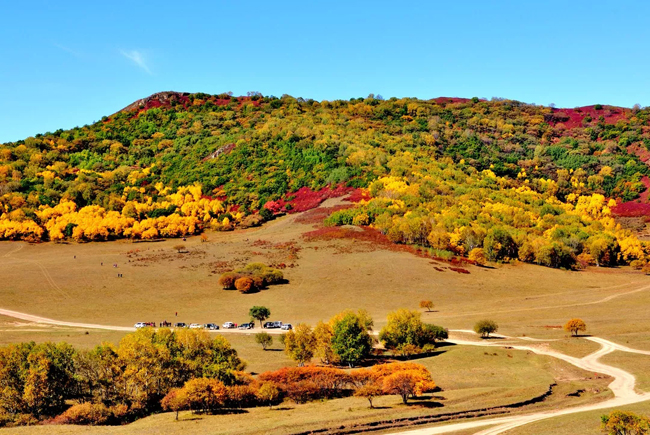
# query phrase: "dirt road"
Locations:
[[45, 320], [622, 387]]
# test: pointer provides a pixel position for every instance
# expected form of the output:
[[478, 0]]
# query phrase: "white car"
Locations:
[[286, 327], [140, 325], [228, 325], [196, 326]]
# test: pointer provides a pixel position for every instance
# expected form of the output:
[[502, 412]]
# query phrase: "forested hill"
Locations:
[[175, 163]]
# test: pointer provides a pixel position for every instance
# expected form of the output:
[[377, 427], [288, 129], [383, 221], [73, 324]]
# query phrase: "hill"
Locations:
[[493, 180]]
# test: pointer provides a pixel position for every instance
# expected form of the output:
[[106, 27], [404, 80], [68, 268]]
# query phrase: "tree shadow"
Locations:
[[423, 404], [492, 337]]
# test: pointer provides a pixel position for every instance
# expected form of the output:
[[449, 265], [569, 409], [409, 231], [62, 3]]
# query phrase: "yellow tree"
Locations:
[[574, 326]]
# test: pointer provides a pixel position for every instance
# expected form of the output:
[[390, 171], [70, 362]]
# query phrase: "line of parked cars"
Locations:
[[278, 325], [215, 327]]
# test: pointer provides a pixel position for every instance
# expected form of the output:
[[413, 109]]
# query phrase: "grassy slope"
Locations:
[[327, 277], [469, 379]]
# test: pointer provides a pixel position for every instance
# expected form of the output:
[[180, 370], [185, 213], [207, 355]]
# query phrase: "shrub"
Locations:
[[264, 338], [268, 393], [245, 284], [227, 280], [485, 327], [92, 414], [240, 396], [623, 422]]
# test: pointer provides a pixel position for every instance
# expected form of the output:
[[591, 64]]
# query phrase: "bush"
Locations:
[[245, 284], [240, 396], [486, 327], [92, 414], [227, 280]]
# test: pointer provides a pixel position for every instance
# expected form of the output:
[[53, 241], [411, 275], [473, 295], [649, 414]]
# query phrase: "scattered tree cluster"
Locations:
[[344, 339], [109, 384], [253, 277], [302, 384]]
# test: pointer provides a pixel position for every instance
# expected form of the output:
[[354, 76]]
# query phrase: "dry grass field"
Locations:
[[79, 283], [470, 378]]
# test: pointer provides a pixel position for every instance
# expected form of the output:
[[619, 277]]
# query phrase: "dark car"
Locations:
[[246, 326], [269, 325], [211, 326], [180, 325]]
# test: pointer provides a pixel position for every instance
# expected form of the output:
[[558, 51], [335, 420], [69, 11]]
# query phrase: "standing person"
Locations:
[[176, 313]]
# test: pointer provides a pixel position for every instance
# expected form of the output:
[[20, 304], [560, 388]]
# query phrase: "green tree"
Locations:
[[486, 327], [264, 338], [350, 340], [259, 313]]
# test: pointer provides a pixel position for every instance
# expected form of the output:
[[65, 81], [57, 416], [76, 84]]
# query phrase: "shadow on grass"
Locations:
[[424, 404], [284, 408]]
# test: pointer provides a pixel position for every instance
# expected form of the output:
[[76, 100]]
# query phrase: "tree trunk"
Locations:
[[404, 399]]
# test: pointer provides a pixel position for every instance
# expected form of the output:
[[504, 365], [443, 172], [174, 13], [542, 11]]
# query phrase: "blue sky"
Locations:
[[68, 63]]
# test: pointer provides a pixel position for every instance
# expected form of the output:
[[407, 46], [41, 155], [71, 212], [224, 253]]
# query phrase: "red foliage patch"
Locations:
[[445, 100], [358, 195], [305, 199], [638, 207], [572, 118], [318, 215]]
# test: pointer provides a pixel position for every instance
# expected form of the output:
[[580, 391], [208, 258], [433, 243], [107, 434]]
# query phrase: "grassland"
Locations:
[[469, 377], [69, 282], [77, 282]]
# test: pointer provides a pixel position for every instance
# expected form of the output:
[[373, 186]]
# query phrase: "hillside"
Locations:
[[492, 180]]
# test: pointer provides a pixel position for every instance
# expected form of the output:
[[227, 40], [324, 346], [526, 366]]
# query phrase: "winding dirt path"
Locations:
[[623, 388]]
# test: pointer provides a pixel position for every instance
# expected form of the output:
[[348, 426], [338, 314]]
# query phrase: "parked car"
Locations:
[[228, 325], [286, 327], [140, 325], [277, 325], [180, 325], [196, 326], [268, 325], [211, 326], [246, 326]]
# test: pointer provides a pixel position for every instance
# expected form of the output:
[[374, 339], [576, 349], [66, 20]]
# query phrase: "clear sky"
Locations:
[[68, 63]]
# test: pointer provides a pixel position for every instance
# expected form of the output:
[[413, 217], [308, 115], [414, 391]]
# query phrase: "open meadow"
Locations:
[[327, 272]]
